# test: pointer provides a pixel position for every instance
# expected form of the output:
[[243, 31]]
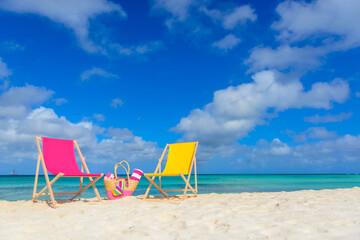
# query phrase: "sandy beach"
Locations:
[[308, 214]]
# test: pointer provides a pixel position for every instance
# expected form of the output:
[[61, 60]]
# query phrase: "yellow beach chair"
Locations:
[[181, 160]]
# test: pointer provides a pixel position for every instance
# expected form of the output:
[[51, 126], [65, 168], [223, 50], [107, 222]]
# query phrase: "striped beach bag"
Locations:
[[118, 187]]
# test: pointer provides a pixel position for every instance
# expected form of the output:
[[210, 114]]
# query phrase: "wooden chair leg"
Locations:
[[86, 187], [160, 190], [147, 191], [48, 183], [187, 185], [36, 176], [95, 189], [47, 187], [81, 178], [195, 174]]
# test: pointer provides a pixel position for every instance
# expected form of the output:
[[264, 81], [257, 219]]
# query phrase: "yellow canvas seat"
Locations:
[[181, 160]]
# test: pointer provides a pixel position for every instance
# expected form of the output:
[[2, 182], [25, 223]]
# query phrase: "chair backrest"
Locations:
[[180, 157], [59, 156]]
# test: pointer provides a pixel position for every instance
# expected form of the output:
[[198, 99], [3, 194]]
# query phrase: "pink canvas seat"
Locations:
[[58, 157]]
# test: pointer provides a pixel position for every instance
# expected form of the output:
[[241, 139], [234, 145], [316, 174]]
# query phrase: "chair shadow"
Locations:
[[174, 198], [66, 201]]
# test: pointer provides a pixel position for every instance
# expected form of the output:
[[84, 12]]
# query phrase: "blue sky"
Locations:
[[264, 86]]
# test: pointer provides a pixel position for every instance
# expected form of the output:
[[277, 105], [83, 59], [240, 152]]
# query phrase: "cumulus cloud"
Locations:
[[328, 118], [320, 133], [307, 31], [239, 15], [139, 49], [178, 8], [75, 15], [28, 95], [227, 43], [148, 47], [116, 102], [278, 148], [184, 13], [99, 117], [122, 144], [17, 135], [320, 19], [16, 102], [96, 72], [4, 71], [285, 57], [21, 118], [59, 101], [12, 46], [231, 18], [314, 133], [325, 152], [191, 14], [235, 111]]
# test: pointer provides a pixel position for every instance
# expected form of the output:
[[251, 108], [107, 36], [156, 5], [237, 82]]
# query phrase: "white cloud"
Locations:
[[17, 131], [99, 117], [116, 102], [129, 147], [320, 133], [235, 111], [285, 57], [315, 133], [75, 15], [59, 101], [191, 14], [13, 46], [96, 72], [27, 96], [239, 15], [178, 8], [328, 118], [16, 102], [148, 47], [325, 152], [322, 19], [307, 32], [278, 148], [231, 18], [139, 49], [78, 16], [4, 71], [122, 134], [357, 94], [227, 43], [17, 135]]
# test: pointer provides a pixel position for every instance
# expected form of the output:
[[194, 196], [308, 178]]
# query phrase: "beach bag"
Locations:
[[118, 187]]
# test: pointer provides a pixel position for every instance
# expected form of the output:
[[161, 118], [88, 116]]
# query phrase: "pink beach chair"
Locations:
[[58, 157]]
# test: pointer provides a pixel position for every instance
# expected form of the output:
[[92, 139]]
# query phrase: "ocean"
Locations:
[[13, 188]]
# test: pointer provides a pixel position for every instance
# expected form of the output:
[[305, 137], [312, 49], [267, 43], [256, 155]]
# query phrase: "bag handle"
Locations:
[[120, 164]]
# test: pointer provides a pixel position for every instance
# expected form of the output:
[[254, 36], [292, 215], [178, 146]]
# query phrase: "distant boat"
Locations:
[[13, 172]]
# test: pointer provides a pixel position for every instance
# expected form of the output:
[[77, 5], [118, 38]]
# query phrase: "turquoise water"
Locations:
[[14, 188]]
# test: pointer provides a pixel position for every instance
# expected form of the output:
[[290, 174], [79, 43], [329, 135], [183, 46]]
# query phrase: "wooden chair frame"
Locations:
[[186, 180], [49, 183]]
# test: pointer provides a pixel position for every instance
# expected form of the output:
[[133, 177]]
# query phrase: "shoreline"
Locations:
[[313, 214], [136, 197], [42, 175]]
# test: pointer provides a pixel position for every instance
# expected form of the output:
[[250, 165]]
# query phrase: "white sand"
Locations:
[[325, 214]]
